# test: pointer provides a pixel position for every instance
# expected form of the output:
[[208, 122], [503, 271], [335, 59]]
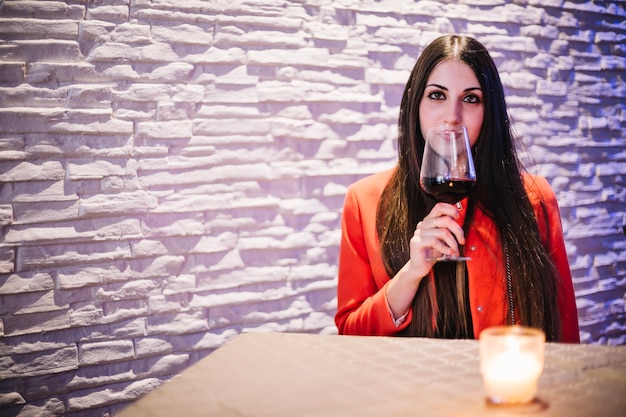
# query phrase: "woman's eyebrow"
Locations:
[[446, 89]]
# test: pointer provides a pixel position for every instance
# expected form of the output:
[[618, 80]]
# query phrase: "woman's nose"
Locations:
[[453, 114]]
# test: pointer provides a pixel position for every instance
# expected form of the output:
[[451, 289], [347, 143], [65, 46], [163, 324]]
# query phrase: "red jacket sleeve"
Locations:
[[552, 235], [362, 307]]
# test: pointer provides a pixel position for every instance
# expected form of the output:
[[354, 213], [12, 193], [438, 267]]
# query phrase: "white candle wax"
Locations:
[[511, 377]]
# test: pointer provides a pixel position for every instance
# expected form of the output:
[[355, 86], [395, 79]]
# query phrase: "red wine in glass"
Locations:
[[449, 191]]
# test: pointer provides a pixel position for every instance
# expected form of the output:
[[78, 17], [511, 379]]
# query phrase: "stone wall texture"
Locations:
[[172, 172]]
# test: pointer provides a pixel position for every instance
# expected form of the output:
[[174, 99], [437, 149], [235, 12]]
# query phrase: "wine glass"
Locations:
[[447, 171]]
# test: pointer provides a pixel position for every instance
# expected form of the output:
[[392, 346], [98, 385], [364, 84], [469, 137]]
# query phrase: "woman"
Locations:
[[510, 225]]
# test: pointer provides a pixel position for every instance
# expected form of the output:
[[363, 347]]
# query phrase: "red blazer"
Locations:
[[361, 294]]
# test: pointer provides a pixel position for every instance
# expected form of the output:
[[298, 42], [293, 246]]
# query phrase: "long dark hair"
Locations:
[[499, 193]]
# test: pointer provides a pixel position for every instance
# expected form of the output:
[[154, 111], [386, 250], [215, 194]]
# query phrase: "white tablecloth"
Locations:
[[302, 375]]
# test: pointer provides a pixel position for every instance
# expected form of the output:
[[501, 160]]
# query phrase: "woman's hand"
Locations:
[[439, 233], [435, 235]]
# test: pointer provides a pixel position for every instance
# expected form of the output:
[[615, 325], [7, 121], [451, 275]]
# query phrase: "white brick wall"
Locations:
[[172, 172]]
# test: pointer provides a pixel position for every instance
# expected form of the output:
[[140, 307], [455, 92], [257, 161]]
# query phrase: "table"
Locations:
[[304, 375]]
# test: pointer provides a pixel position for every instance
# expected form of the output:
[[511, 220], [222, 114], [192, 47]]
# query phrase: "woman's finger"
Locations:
[[451, 225]]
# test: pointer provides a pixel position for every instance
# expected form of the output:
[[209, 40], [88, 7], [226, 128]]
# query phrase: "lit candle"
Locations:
[[511, 363]]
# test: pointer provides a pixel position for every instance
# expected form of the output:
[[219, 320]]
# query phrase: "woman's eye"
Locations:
[[471, 99], [436, 95]]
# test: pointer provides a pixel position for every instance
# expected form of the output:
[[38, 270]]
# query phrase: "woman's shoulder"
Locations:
[[373, 184], [538, 189]]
